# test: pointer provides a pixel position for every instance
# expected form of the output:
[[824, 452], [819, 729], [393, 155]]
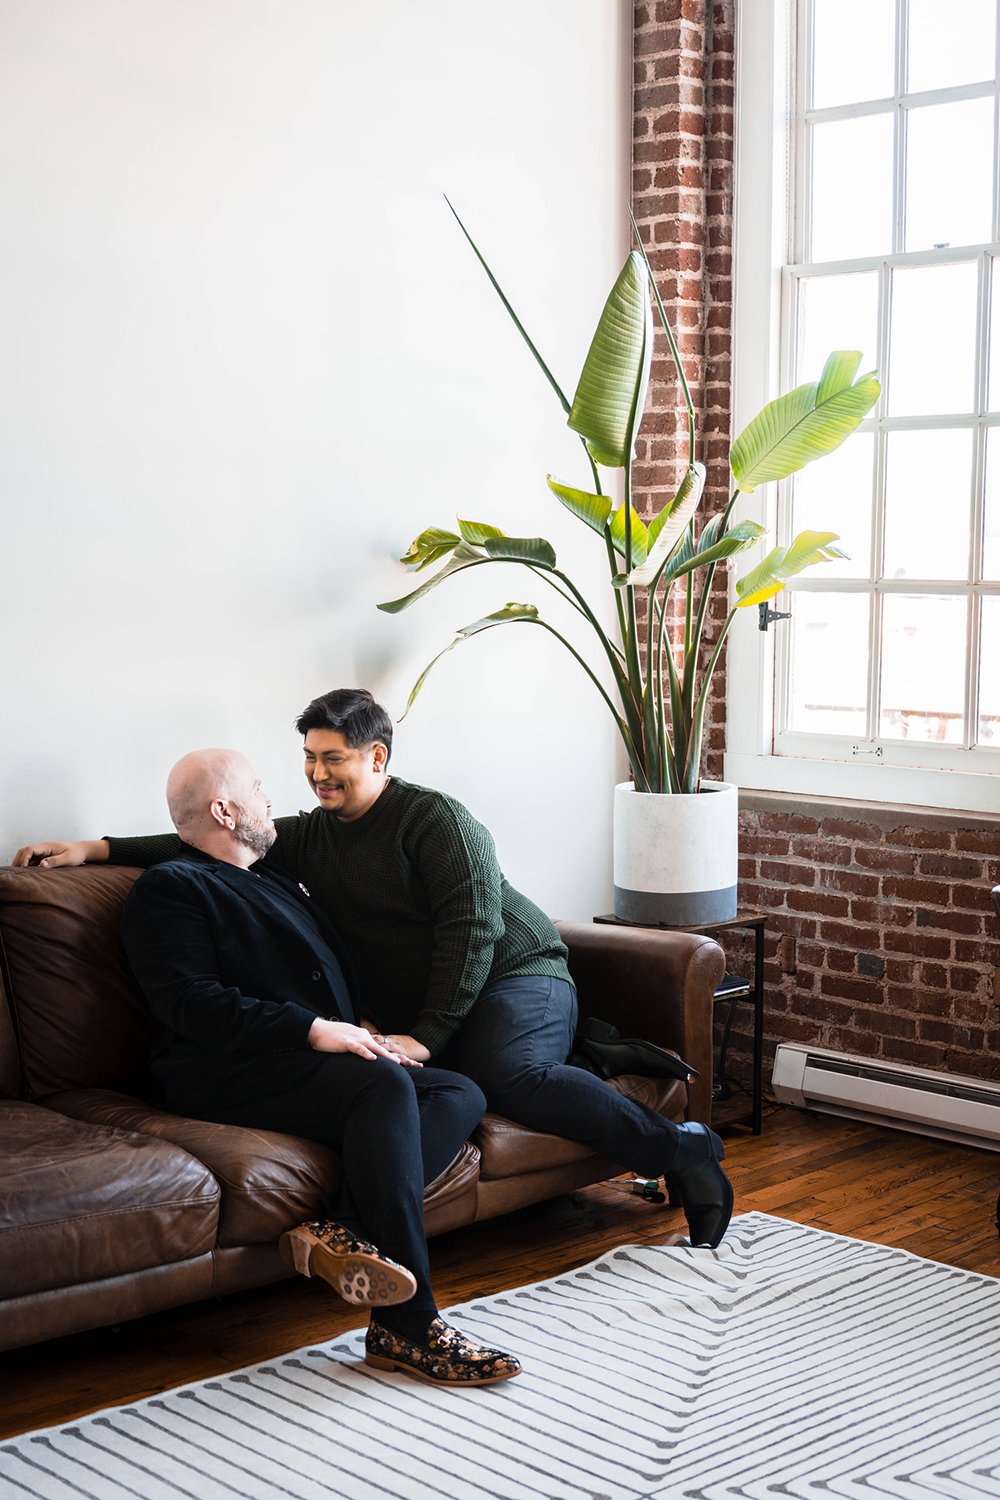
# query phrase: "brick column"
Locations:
[[682, 201]]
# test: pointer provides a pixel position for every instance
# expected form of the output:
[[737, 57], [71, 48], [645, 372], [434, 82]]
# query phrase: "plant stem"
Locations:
[[631, 642], [612, 565], [691, 664], [630, 747], [689, 781]]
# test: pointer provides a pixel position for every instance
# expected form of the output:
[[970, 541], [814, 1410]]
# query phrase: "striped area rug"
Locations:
[[788, 1362]]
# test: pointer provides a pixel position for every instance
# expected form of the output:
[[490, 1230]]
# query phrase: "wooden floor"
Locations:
[[926, 1196]]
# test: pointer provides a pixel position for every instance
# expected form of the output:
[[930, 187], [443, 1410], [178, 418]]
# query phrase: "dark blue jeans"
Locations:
[[514, 1043]]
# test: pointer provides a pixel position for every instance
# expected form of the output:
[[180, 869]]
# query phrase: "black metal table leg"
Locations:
[[758, 1027]]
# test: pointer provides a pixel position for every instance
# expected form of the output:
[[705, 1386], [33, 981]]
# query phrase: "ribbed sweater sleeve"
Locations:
[[144, 850], [455, 861]]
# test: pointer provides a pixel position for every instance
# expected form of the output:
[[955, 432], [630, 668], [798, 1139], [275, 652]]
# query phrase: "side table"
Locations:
[[757, 920]]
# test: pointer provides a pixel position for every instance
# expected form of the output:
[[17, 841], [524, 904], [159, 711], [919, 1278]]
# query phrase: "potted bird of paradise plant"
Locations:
[[675, 851]]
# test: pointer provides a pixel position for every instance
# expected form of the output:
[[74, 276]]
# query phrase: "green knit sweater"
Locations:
[[418, 898]]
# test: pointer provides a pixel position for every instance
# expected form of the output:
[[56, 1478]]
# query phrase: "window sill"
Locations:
[[881, 815], [832, 784]]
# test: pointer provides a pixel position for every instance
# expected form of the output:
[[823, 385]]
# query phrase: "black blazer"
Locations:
[[231, 973]]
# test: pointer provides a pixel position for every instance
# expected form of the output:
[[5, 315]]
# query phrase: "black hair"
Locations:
[[353, 713]]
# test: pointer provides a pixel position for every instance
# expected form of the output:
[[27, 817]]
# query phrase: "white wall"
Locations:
[[247, 355]]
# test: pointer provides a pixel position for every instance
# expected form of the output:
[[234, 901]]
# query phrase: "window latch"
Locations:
[[766, 615]]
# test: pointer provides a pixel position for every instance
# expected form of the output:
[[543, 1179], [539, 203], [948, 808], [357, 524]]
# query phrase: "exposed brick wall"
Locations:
[[881, 939], [882, 934], [682, 200]]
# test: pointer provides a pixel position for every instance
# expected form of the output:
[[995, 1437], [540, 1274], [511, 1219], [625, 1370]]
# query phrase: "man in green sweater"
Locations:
[[451, 962]]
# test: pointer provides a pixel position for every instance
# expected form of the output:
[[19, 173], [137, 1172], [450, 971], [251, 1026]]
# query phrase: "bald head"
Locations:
[[216, 804], [200, 778]]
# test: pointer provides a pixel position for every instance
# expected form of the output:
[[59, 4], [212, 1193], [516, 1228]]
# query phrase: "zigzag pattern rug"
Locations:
[[789, 1362]]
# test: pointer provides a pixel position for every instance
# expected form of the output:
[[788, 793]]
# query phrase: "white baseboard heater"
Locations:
[[966, 1110]]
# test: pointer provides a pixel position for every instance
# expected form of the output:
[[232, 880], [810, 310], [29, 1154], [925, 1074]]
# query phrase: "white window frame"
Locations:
[[764, 165]]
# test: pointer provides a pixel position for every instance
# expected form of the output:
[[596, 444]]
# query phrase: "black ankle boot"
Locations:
[[610, 1054], [702, 1186]]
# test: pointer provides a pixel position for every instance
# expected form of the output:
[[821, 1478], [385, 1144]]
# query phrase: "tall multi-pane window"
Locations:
[[892, 656]]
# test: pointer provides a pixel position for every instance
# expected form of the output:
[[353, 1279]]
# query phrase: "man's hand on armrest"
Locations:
[[52, 853]]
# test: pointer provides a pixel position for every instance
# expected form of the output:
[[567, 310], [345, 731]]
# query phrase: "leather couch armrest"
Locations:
[[654, 984]]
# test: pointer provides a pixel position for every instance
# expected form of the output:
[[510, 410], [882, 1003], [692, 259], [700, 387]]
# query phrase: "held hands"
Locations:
[[341, 1036], [409, 1049], [54, 852]]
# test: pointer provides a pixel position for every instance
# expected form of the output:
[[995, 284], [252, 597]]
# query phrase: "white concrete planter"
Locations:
[[675, 858]]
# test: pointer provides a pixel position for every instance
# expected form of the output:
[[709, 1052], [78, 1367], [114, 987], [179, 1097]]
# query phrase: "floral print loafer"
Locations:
[[447, 1358], [355, 1268]]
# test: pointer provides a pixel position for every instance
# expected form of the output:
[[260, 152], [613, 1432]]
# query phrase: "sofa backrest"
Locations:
[[10, 1065], [80, 1019]]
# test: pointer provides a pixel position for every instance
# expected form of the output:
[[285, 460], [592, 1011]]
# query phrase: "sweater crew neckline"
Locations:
[[355, 827]]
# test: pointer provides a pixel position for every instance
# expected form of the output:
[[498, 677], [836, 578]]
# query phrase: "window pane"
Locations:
[[843, 72], [991, 526], [933, 340], [852, 188], [835, 494], [836, 312], [949, 46], [829, 662], [928, 489], [949, 174], [994, 394], [989, 675], [923, 668]]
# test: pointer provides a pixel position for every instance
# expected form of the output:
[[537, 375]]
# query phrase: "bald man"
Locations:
[[258, 1028]]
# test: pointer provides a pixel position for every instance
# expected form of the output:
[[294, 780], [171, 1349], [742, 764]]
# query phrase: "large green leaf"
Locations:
[[804, 424], [781, 563], [529, 549], [513, 315], [743, 535], [428, 547], [666, 530], [612, 387], [477, 532], [594, 509], [640, 536], [509, 613], [497, 545], [499, 617], [464, 557], [534, 550]]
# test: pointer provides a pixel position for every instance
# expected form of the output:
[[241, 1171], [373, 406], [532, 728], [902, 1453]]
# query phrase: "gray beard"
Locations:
[[254, 835]]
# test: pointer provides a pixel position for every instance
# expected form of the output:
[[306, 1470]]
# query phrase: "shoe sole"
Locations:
[[364, 1280], [379, 1362]]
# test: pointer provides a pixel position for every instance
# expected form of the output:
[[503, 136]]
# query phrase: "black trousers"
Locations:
[[515, 1042], [396, 1129]]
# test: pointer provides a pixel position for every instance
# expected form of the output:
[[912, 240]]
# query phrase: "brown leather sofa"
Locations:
[[110, 1208]]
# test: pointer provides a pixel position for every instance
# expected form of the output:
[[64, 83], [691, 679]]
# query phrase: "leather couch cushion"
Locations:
[[81, 1203], [79, 1015], [269, 1181], [508, 1150]]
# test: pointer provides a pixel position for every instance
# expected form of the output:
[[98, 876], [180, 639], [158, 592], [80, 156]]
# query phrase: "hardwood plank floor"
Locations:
[[926, 1196]]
